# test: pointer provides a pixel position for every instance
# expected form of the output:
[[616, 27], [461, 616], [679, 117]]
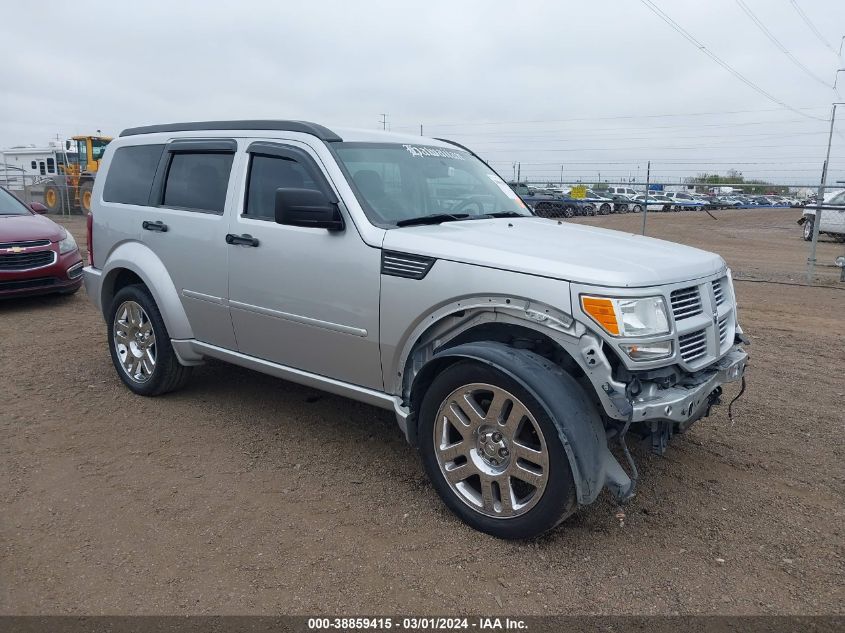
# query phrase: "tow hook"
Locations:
[[713, 399]]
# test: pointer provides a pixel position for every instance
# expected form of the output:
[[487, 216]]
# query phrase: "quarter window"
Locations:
[[268, 173], [198, 181], [131, 173]]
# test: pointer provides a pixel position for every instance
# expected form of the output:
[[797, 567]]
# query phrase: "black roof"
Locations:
[[306, 127]]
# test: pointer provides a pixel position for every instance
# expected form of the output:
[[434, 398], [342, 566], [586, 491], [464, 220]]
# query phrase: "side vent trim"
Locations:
[[404, 265]]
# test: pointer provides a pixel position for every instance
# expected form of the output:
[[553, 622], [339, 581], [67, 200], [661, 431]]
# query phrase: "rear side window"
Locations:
[[198, 181], [268, 173], [130, 176]]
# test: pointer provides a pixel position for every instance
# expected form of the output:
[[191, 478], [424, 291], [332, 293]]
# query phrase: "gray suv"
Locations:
[[403, 272]]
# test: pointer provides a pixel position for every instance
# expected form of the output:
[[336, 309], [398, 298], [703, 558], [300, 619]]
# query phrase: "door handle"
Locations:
[[158, 225], [241, 240]]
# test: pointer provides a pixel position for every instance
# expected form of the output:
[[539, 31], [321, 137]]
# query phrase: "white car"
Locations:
[[684, 200], [656, 202], [832, 220]]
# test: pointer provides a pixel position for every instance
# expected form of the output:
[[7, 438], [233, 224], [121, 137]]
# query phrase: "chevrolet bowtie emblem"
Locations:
[[15, 249]]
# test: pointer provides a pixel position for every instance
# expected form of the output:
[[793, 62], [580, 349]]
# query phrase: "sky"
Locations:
[[594, 90]]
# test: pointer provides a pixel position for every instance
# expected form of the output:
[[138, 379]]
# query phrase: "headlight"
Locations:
[[67, 244], [628, 317]]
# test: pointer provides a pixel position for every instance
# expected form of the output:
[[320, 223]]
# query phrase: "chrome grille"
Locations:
[[686, 302], [723, 330], [693, 345], [719, 290], [29, 244], [405, 265], [26, 261]]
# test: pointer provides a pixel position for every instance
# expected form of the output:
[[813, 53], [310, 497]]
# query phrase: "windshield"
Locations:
[[395, 182], [10, 205], [98, 147]]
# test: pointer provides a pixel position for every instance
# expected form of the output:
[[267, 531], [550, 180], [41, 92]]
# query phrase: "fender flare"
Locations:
[[584, 438], [141, 260]]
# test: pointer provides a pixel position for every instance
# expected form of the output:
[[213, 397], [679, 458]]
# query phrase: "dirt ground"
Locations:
[[244, 494]]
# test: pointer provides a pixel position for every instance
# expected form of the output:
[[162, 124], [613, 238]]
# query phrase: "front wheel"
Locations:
[[622, 208], [493, 454], [140, 345], [637, 208], [808, 229], [604, 209]]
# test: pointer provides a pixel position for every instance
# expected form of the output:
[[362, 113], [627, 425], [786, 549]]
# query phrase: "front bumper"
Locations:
[[687, 403], [64, 274]]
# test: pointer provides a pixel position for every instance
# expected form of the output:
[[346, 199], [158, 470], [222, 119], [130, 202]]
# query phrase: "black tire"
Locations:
[[637, 208], [622, 208], [568, 211], [53, 198], [808, 228], [558, 499], [85, 193], [168, 374], [604, 209]]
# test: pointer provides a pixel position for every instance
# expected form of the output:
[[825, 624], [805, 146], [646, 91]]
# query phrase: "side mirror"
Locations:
[[307, 207], [38, 207]]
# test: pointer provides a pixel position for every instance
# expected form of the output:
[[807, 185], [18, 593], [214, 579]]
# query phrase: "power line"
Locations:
[[687, 36], [812, 27], [778, 44], [610, 118]]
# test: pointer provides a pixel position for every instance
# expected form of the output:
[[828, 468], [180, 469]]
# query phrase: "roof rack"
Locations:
[[322, 133]]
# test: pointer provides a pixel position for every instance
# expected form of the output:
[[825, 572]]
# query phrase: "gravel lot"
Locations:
[[243, 494]]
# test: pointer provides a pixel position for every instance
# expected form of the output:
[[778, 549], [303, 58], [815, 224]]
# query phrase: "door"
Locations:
[[299, 296], [186, 228], [833, 220]]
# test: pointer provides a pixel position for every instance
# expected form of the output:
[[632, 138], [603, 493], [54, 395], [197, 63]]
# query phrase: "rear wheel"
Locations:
[[493, 454], [85, 193], [604, 209], [53, 198], [637, 208], [140, 345], [622, 208], [568, 211]]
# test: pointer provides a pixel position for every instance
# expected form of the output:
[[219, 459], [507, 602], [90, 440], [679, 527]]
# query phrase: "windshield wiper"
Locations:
[[434, 218], [504, 214]]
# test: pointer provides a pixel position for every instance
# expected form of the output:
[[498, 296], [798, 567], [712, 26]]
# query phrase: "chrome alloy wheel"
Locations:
[[491, 450], [134, 341]]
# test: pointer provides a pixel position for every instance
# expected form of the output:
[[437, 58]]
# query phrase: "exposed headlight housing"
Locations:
[[628, 316], [647, 351], [68, 244]]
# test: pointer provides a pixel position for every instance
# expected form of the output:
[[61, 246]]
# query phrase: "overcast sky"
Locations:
[[598, 87]]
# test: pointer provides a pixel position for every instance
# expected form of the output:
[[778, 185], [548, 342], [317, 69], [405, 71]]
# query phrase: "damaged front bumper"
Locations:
[[686, 403]]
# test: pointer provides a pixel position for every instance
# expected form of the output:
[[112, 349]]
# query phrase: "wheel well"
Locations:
[[117, 279], [520, 337]]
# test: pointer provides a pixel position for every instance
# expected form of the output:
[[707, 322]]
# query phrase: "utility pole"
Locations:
[[645, 206], [561, 175], [518, 171], [811, 261], [383, 121], [421, 133]]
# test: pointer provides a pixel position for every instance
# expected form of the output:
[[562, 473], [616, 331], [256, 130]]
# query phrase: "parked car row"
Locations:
[[554, 201]]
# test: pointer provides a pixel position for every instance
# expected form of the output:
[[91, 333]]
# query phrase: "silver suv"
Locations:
[[403, 272]]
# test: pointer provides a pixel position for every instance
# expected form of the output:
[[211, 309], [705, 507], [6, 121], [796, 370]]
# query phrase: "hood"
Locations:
[[20, 228], [571, 252]]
